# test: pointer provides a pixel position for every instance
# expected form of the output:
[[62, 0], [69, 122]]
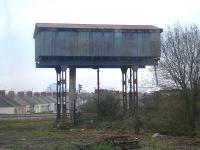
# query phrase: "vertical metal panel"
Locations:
[[75, 51], [143, 41], [155, 44], [118, 43], [59, 45], [140, 43], [135, 41], [130, 48], [146, 44], [93, 43], [37, 46], [108, 44], [69, 44], [47, 39], [83, 44]]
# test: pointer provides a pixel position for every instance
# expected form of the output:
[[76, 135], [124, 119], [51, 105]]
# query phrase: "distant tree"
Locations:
[[108, 106], [180, 62]]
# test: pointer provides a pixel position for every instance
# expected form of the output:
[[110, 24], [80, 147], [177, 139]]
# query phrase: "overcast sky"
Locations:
[[18, 18]]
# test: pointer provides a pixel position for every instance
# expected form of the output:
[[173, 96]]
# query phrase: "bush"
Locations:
[[102, 146], [64, 125], [108, 107], [164, 112]]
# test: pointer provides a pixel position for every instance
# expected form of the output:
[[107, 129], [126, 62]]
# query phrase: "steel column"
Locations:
[[72, 94], [64, 93], [135, 99], [58, 90], [155, 73], [135, 90], [130, 91], [98, 85], [124, 88], [61, 93]]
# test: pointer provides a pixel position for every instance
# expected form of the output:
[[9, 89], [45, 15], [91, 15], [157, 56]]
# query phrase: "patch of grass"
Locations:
[[16, 147], [23, 123], [62, 146], [150, 143], [44, 133], [23, 128], [64, 125], [103, 146]]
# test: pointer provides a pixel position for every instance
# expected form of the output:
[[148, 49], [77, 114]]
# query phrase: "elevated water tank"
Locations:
[[96, 45]]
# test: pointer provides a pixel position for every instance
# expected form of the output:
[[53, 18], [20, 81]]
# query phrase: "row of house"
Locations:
[[27, 102], [32, 102]]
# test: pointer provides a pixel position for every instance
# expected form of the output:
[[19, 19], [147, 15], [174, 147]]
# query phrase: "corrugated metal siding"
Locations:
[[155, 45], [91, 27], [96, 43]]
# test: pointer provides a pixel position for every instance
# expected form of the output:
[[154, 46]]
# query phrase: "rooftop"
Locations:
[[66, 26]]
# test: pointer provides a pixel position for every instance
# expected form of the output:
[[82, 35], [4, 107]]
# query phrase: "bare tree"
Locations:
[[180, 62]]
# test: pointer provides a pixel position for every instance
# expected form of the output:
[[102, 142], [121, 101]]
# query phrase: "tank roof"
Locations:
[[66, 26]]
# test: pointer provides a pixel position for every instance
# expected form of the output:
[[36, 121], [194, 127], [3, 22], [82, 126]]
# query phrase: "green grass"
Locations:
[[102, 146], [150, 143], [40, 134], [24, 128], [61, 146]]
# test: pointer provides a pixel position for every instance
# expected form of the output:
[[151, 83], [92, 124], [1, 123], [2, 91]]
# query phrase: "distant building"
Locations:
[[51, 88], [114, 92]]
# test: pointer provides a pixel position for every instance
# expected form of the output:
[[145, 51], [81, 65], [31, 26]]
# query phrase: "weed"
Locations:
[[102, 146], [150, 143], [64, 125], [62, 146]]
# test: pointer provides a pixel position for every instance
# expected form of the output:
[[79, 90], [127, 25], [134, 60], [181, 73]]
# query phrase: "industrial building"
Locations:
[[62, 46]]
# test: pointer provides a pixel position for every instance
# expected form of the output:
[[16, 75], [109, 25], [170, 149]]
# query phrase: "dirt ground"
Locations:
[[40, 135]]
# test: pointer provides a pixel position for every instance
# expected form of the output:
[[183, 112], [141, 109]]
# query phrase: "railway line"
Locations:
[[27, 116]]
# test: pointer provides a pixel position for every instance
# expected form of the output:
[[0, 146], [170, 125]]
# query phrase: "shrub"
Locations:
[[164, 112], [64, 125], [103, 146], [108, 107]]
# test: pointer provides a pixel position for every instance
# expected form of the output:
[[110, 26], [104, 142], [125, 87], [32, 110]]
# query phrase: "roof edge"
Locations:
[[66, 26]]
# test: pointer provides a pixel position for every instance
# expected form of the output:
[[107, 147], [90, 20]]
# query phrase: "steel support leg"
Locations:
[[61, 93], [98, 85], [135, 99], [72, 94], [58, 90], [135, 90], [130, 92], [64, 93], [124, 88]]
